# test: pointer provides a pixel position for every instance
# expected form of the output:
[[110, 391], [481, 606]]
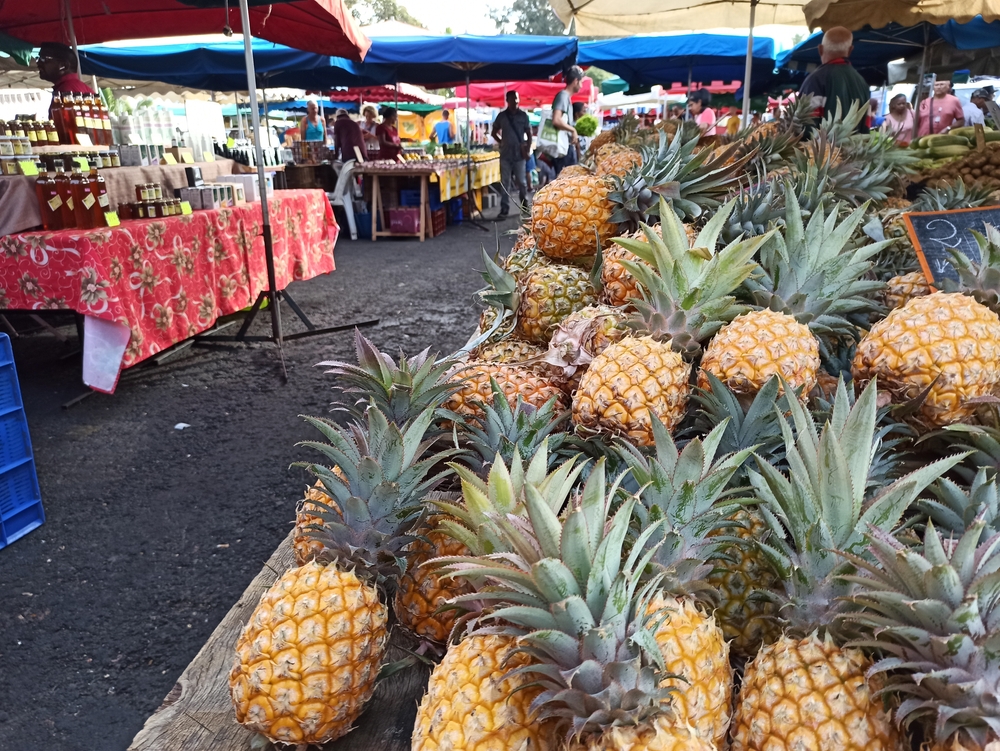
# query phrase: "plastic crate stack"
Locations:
[[20, 500]]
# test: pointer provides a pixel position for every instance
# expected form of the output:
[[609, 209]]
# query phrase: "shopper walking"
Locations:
[[836, 82], [444, 131], [512, 131], [562, 111], [941, 112], [899, 122]]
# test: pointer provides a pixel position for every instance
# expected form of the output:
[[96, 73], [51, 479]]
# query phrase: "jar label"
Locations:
[[55, 202], [103, 200], [88, 201], [69, 203]]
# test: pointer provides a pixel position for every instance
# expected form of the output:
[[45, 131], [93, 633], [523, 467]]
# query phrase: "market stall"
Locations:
[[148, 284]]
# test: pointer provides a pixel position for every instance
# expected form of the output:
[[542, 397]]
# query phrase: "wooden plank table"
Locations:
[[197, 714]]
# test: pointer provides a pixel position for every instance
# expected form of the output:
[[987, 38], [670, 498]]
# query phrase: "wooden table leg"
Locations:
[[423, 207], [376, 205]]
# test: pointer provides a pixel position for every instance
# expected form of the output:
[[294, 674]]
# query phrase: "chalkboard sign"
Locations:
[[935, 232]]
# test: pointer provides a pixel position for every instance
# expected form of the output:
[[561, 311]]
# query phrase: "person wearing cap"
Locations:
[[57, 65], [836, 82], [975, 110], [562, 111], [347, 137]]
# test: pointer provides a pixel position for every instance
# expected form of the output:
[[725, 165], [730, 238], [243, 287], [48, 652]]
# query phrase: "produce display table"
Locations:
[[148, 284], [19, 206], [451, 177], [197, 714]]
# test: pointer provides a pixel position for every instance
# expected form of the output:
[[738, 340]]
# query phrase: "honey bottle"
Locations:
[[79, 122], [83, 199], [52, 137], [99, 196], [106, 123], [68, 218], [31, 133], [49, 202]]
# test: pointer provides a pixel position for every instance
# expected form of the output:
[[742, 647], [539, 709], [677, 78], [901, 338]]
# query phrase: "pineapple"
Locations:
[[574, 170], [618, 160], [618, 286], [523, 257], [400, 391], [585, 334], [899, 290], [811, 291], [307, 660], [511, 351], [571, 217], [683, 498], [308, 514], [944, 347], [808, 690], [686, 300], [515, 381], [978, 278], [932, 609], [955, 509], [573, 601], [422, 591]]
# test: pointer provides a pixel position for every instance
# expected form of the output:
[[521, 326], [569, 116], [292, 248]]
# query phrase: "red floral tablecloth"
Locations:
[[166, 280]]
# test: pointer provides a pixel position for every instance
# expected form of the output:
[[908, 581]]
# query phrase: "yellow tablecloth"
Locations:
[[485, 173]]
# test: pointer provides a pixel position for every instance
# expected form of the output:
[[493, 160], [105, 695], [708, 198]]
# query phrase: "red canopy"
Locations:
[[716, 87], [321, 26], [373, 94], [532, 93]]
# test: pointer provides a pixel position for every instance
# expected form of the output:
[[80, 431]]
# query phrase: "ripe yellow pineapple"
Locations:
[[307, 515], [615, 159], [307, 660], [532, 386], [571, 218], [945, 342], [901, 289], [574, 170], [619, 286], [630, 382], [808, 690], [694, 647], [509, 351], [422, 590], [662, 733], [547, 295], [756, 346]]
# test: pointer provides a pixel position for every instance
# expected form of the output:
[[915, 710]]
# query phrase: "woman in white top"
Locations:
[[899, 120], [368, 126]]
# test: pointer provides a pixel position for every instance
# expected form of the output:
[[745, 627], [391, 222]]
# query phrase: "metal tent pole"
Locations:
[[71, 32], [267, 116], [272, 283], [748, 70], [687, 99], [920, 84]]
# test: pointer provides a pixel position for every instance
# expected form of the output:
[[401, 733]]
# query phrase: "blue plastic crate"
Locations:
[[411, 197], [20, 499]]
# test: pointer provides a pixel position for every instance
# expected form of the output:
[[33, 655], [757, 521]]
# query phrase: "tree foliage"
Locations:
[[527, 17], [372, 11]]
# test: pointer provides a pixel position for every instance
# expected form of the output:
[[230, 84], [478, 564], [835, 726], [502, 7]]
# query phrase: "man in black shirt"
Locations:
[[836, 81], [512, 131]]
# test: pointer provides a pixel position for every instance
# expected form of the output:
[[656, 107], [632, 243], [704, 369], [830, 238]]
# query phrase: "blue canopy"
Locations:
[[874, 49], [646, 60], [222, 66], [445, 60]]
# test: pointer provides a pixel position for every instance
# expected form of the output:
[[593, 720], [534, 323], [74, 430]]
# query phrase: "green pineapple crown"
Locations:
[[686, 494], [376, 502], [934, 612], [692, 182], [502, 430], [955, 508], [978, 278], [956, 195], [574, 599], [808, 271], [400, 391], [825, 504], [687, 292]]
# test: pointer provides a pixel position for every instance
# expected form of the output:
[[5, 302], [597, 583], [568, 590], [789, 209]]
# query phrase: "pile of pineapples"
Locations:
[[717, 470]]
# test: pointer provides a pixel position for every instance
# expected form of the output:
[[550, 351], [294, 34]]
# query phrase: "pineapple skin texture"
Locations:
[[755, 346], [565, 214], [535, 389], [548, 295], [810, 695], [307, 660], [947, 336], [620, 287], [694, 647], [471, 706], [510, 351], [901, 289], [617, 160], [747, 623], [421, 591], [661, 734], [626, 383]]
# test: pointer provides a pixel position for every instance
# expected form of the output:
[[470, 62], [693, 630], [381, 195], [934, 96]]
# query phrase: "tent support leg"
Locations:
[[920, 84], [468, 159], [749, 67]]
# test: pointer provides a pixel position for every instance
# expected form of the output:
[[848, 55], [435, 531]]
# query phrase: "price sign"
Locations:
[[185, 207], [187, 158], [82, 163], [28, 167], [934, 233], [83, 139], [111, 217], [168, 158], [207, 156]]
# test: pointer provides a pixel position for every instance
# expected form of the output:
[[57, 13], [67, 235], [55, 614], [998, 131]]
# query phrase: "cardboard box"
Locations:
[[192, 196], [182, 154]]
